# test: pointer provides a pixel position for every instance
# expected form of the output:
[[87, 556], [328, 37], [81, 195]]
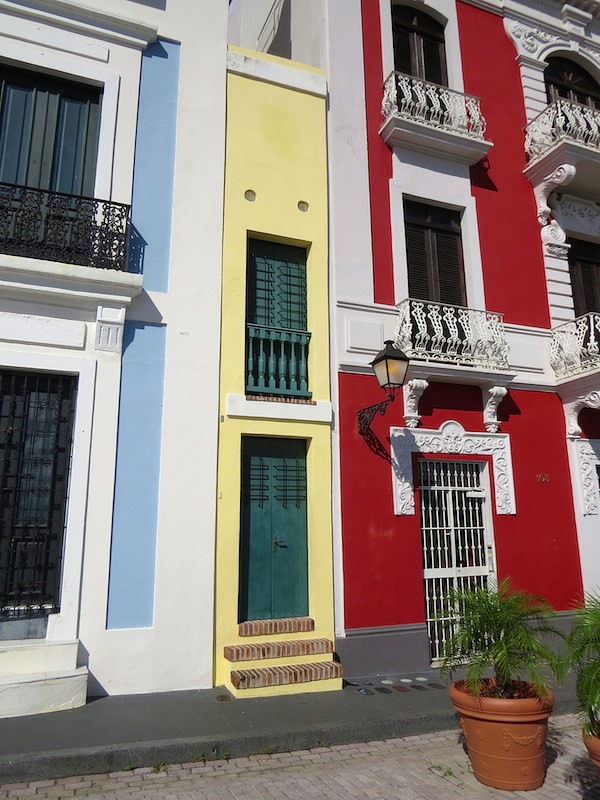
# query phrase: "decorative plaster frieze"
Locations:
[[590, 400], [413, 391], [450, 439], [554, 240], [490, 411], [109, 329], [588, 459], [530, 41], [575, 214]]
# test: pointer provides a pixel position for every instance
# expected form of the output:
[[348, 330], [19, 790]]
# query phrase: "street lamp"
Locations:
[[390, 366]]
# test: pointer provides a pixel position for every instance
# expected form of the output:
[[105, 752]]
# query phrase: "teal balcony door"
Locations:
[[277, 341], [273, 545]]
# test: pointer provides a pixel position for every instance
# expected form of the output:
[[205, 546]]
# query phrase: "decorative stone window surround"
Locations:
[[588, 459], [450, 439], [97, 48], [443, 11]]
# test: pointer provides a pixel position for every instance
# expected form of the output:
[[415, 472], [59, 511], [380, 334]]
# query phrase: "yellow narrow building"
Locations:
[[274, 582]]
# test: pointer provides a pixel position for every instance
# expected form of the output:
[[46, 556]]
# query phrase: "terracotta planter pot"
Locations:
[[506, 739], [593, 747]]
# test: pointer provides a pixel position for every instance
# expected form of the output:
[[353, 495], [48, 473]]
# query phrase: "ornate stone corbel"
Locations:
[[553, 236], [109, 329], [590, 400], [490, 411], [561, 176], [413, 391], [554, 240]]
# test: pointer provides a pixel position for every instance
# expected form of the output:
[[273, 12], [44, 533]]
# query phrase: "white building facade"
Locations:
[[112, 138]]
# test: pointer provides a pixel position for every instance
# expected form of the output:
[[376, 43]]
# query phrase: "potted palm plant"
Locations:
[[500, 634], [583, 655]]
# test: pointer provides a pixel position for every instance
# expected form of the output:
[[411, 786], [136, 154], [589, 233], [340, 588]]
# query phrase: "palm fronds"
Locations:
[[583, 654], [500, 628]]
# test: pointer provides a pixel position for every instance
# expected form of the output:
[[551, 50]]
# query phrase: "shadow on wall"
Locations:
[[282, 41], [135, 251], [160, 4]]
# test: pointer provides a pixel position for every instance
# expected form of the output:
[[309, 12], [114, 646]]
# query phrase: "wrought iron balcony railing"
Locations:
[[61, 227], [430, 104], [429, 331], [575, 346], [277, 361], [562, 120]]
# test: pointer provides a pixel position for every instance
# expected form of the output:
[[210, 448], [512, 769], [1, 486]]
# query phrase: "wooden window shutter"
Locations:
[[584, 268], [49, 131], [276, 292], [418, 254], [449, 268]]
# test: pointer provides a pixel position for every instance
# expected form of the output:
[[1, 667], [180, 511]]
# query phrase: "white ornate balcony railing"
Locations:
[[576, 346], [451, 334], [562, 120], [437, 106]]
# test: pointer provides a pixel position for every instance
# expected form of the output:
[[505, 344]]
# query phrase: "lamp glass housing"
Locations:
[[390, 367]]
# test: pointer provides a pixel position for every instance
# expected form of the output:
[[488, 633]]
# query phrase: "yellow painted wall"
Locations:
[[276, 148]]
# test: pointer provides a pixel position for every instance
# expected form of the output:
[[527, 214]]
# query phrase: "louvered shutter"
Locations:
[[418, 258], [584, 267], [434, 62], [48, 132], [449, 268], [276, 286]]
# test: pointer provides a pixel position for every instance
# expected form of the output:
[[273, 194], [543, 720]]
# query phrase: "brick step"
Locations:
[[260, 650], [263, 627], [280, 676]]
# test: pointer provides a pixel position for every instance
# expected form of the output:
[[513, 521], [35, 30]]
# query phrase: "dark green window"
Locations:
[[584, 266], [418, 45], [48, 132], [566, 79], [276, 319], [434, 254]]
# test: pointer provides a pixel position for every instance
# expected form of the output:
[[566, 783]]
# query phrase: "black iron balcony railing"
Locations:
[[277, 361], [37, 223]]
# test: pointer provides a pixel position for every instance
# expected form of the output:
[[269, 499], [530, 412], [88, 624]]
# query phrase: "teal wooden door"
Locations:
[[273, 545]]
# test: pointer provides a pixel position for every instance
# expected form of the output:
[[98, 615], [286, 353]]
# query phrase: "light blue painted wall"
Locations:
[[133, 546], [152, 200]]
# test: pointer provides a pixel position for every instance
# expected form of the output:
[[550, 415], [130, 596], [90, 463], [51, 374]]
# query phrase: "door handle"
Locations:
[[278, 543]]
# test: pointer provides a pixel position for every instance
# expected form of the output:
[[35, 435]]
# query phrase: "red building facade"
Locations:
[[455, 238]]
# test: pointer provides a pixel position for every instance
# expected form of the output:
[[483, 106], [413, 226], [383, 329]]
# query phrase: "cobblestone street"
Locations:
[[431, 766]]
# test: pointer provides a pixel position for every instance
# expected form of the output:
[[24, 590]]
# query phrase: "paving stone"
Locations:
[[427, 767]]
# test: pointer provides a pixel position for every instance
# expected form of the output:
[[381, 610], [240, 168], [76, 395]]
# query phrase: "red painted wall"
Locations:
[[509, 232], [382, 553], [380, 157]]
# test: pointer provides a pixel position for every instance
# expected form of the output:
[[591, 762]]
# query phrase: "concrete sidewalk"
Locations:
[[177, 727]]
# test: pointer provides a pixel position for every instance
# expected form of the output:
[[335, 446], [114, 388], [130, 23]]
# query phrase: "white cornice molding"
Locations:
[[450, 439], [280, 74], [78, 18], [66, 285]]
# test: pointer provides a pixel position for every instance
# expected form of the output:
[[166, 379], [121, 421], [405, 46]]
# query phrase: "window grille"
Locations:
[[36, 420], [456, 537], [276, 320]]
